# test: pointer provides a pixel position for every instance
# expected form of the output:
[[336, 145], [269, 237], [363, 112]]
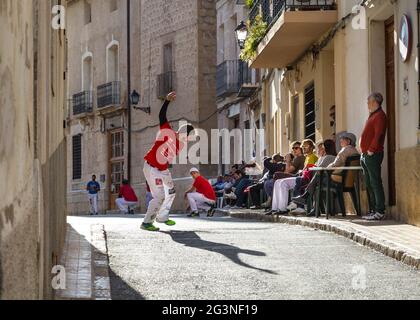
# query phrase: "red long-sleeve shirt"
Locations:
[[128, 193], [373, 136]]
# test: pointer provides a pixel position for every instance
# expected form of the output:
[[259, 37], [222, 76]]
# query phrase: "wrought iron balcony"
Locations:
[[165, 84], [82, 103], [271, 10], [109, 94], [232, 76]]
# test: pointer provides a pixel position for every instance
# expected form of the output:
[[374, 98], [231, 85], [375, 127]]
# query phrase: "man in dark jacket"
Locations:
[[372, 146], [271, 166]]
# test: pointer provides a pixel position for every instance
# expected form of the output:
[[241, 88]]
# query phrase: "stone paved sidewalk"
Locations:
[[397, 240], [85, 259]]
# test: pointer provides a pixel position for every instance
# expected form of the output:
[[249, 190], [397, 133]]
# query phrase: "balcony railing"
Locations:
[[109, 94], [82, 102], [271, 10], [231, 76], [165, 84]]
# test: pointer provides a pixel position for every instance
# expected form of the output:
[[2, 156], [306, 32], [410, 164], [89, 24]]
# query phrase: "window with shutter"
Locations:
[[77, 157]]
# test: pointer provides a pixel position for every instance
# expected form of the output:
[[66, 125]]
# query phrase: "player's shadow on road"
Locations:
[[121, 290], [191, 239]]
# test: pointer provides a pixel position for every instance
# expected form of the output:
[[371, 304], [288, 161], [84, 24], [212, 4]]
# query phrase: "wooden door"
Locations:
[[116, 165], [390, 107]]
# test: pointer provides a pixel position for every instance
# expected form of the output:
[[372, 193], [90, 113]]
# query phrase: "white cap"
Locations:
[[194, 170]]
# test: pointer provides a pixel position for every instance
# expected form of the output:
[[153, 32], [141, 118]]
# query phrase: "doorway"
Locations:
[[116, 165], [390, 106], [310, 120]]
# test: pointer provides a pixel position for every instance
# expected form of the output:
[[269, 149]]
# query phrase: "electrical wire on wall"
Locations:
[[188, 120]]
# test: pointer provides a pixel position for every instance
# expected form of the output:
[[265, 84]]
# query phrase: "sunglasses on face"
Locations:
[[296, 148]]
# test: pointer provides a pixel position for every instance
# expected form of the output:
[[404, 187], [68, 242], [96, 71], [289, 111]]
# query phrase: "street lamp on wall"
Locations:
[[135, 99], [241, 34]]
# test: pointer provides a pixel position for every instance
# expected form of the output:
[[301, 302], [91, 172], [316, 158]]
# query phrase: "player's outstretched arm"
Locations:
[[162, 115]]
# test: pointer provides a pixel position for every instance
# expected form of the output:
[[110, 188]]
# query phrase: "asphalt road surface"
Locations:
[[225, 258]]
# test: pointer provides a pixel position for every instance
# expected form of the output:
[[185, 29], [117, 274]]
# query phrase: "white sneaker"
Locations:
[[292, 207], [376, 217], [371, 213]]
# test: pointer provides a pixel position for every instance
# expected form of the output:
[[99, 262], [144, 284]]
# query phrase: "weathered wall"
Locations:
[[408, 135], [18, 224], [32, 157], [407, 184]]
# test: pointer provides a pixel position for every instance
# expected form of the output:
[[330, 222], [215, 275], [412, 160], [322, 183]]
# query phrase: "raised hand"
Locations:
[[171, 96]]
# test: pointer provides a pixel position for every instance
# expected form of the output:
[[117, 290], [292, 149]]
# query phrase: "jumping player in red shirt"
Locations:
[[167, 146]]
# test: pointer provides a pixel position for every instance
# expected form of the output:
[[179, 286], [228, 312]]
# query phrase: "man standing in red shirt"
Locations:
[[201, 195], [127, 198], [372, 146], [167, 146]]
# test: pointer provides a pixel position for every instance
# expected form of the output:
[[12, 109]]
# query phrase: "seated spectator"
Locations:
[[234, 168], [228, 182], [309, 152], [127, 198], [271, 166], [295, 162], [326, 155], [220, 184], [255, 192], [282, 186], [239, 191], [249, 169], [252, 168], [201, 195], [237, 194], [348, 149], [230, 187]]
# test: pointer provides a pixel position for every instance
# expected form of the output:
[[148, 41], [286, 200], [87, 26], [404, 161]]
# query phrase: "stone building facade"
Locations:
[[237, 87], [32, 148], [173, 47]]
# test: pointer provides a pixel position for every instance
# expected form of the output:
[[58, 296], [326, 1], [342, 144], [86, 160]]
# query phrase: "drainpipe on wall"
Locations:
[[128, 92]]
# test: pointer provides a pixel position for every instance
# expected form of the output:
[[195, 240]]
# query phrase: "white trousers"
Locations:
[[93, 201], [198, 201], [124, 205], [281, 193], [163, 193], [149, 198]]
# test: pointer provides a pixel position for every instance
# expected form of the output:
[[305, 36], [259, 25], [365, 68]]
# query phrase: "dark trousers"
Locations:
[[255, 192], [239, 192], [269, 187], [301, 184], [372, 169], [311, 187]]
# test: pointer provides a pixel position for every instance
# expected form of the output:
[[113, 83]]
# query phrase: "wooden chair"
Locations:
[[346, 182]]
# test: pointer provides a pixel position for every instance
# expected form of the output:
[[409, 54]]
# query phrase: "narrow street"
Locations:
[[226, 258]]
